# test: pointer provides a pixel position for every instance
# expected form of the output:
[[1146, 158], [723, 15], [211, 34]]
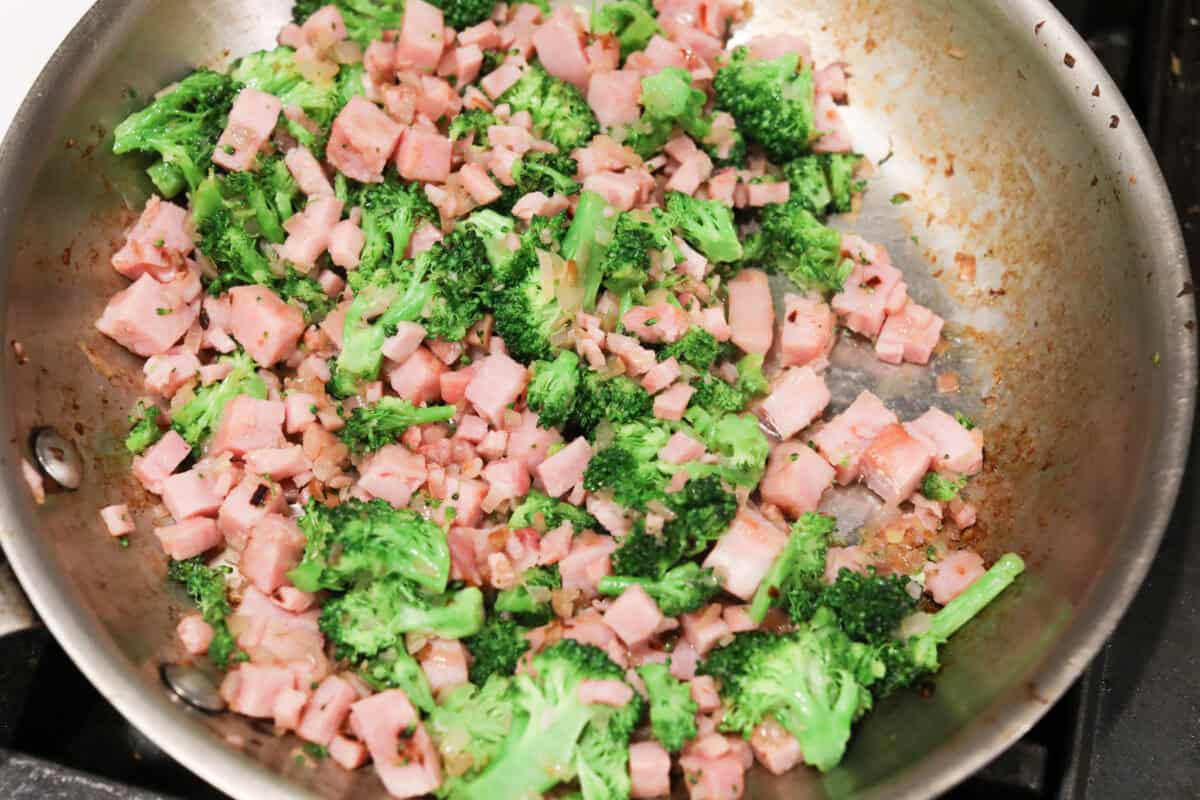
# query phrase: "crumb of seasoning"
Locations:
[[1096, 91], [1156, 359], [315, 750], [965, 262], [1176, 65], [1038, 27], [956, 52], [19, 352], [900, 198], [123, 541], [947, 383], [1114, 121], [915, 239], [1069, 60]]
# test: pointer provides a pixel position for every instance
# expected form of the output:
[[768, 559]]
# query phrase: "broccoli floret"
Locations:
[[364, 540], [672, 709], [205, 586], [375, 617], [391, 212], [527, 315], [792, 241], [394, 668], [553, 389], [198, 417], [625, 266], [631, 21], [618, 399], [869, 607], [734, 151], [670, 101], [703, 511], [267, 196], [681, 590], [276, 72], [939, 487], [524, 605], [555, 737], [551, 513], [822, 184], [370, 427], [707, 225], [460, 14], [496, 649], [643, 557], [143, 430], [629, 467], [839, 170], [366, 20], [713, 397], [751, 381], [305, 292], [472, 122], [560, 113], [772, 101], [548, 173], [813, 681], [795, 577], [964, 420], [586, 239], [182, 128], [741, 446], [493, 228], [469, 728], [697, 348]]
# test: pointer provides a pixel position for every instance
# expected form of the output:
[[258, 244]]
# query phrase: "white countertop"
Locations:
[[39, 25]]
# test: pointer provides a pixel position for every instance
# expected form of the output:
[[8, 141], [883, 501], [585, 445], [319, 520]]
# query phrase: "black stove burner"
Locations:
[[1129, 728]]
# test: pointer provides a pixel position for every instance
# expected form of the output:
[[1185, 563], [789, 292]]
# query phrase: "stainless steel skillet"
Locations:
[[1071, 346]]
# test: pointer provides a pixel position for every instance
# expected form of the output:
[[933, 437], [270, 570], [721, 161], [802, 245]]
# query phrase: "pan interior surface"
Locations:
[[1070, 345]]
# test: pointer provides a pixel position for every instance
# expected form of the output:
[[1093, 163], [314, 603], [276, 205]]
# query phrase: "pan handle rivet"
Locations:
[[58, 457], [194, 687]]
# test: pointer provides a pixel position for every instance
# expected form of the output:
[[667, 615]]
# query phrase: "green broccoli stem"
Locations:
[[975, 598], [362, 339], [615, 585], [586, 240]]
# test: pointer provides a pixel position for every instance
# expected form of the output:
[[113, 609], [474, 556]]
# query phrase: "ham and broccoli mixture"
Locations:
[[487, 459]]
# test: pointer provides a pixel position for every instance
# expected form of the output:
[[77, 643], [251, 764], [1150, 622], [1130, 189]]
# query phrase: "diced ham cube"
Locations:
[[498, 383], [894, 464], [216, 335], [865, 296], [587, 562], [529, 443], [963, 514], [613, 516], [309, 232], [659, 323], [618, 188], [743, 555], [704, 692], [649, 770], [954, 448], [695, 169], [165, 375], [680, 449], [421, 37], [467, 61], [404, 342], [247, 424], [289, 708], [555, 545], [808, 330], [250, 501], [831, 80], [379, 59], [380, 721], [485, 35], [507, 480], [326, 711], [276, 545], [659, 53], [774, 747], [157, 243], [418, 379], [614, 97], [684, 660], [278, 463], [671, 404], [190, 494], [795, 478], [634, 616], [844, 438], [424, 156], [347, 753], [364, 138], [499, 80], [561, 53], [948, 578], [471, 428], [393, 473], [299, 411], [661, 376], [324, 28], [796, 399], [117, 520], [910, 335], [564, 470], [346, 240], [155, 465], [268, 328], [833, 133], [307, 172], [482, 188], [437, 99], [251, 121], [445, 664], [722, 184], [638, 360], [721, 778], [194, 634], [751, 312], [147, 317], [251, 689], [416, 772], [705, 628], [188, 538]]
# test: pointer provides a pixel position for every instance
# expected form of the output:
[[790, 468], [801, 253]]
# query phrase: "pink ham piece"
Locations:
[[680, 449], [797, 398], [604, 692], [324, 29], [963, 514], [188, 538], [497, 385], [649, 770], [705, 628], [610, 514], [671, 404], [614, 97], [948, 578], [421, 37], [471, 428], [424, 156], [326, 711], [910, 335], [833, 133], [307, 172], [704, 691], [404, 342], [157, 243], [795, 478], [248, 424], [276, 545], [153, 467], [437, 99], [393, 473], [634, 616], [148, 317], [529, 443], [464, 63], [721, 778], [191, 494], [661, 376], [485, 35], [555, 545], [475, 180], [722, 184], [309, 232], [659, 323], [894, 464], [117, 520], [346, 240], [194, 634], [268, 328], [251, 689], [684, 660], [774, 747], [507, 480], [808, 330], [751, 312], [379, 59], [564, 470], [537, 204], [250, 501], [587, 562], [278, 463], [444, 663], [364, 138], [867, 295], [379, 722], [620, 189], [299, 411], [955, 449], [165, 375], [498, 81], [289, 708], [347, 753], [831, 80], [695, 169], [418, 379], [659, 53], [743, 555], [638, 360], [251, 121], [843, 439], [561, 53]]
